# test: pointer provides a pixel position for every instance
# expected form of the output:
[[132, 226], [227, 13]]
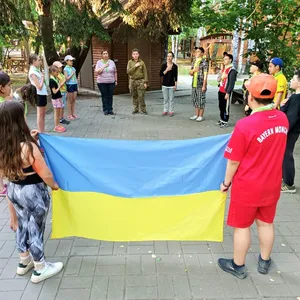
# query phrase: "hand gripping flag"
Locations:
[[120, 190]]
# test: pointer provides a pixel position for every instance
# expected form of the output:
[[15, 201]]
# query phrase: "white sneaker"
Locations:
[[50, 270], [22, 269], [199, 119], [193, 118]]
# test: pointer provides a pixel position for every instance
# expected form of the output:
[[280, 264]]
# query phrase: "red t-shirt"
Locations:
[[224, 81], [258, 142]]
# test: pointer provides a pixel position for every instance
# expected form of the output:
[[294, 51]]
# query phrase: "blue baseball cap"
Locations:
[[276, 61]]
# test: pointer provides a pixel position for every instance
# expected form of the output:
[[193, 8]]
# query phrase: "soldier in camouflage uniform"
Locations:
[[138, 80]]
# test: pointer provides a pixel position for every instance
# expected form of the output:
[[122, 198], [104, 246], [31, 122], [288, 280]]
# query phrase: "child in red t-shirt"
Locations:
[[255, 154]]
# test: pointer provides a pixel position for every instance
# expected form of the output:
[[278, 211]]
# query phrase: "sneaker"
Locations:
[[171, 114], [287, 188], [106, 113], [64, 121], [3, 192], [22, 269], [219, 123], [164, 113], [111, 113], [263, 265], [227, 266], [193, 118], [135, 112], [59, 129], [223, 125], [199, 119], [144, 113], [50, 270], [70, 117]]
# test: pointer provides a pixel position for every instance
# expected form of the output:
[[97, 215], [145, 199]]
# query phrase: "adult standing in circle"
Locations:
[[169, 72], [107, 80], [37, 78]]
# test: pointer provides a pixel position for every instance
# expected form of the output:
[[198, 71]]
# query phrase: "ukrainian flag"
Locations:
[[117, 190]]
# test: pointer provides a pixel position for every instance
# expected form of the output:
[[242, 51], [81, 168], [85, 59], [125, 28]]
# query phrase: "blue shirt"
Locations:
[[69, 70]]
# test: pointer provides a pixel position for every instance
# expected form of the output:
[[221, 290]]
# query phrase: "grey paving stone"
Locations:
[[140, 293], [73, 266], [133, 264], [8, 285], [49, 289], [137, 249], [148, 264], [192, 264], [51, 247], [293, 282], [10, 269], [161, 247], [74, 294], [32, 291], [206, 292], [88, 266], [85, 251], [110, 270], [76, 283], [280, 290], [7, 249], [10, 295], [100, 288], [140, 280], [64, 248], [165, 287], [116, 288], [182, 287], [106, 248]]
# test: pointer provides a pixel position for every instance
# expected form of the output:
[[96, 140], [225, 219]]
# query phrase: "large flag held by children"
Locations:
[[120, 190]]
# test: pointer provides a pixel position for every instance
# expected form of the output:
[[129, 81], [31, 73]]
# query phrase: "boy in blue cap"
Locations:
[[275, 68]]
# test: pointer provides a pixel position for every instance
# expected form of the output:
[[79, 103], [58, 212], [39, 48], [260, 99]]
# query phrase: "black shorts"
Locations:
[[71, 88], [41, 100]]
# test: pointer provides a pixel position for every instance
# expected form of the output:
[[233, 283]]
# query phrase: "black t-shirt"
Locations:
[[171, 77], [292, 111], [53, 84]]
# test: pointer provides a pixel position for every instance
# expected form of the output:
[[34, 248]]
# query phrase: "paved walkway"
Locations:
[[98, 270]]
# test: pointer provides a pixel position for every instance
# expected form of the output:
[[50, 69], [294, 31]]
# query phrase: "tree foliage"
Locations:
[[153, 19], [273, 25]]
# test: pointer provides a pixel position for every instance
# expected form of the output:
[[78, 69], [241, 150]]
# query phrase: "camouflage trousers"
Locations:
[[137, 91]]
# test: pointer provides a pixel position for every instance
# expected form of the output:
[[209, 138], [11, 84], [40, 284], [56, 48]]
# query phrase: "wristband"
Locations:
[[227, 186]]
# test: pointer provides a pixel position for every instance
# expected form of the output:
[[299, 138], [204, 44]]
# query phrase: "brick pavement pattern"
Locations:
[[98, 270]]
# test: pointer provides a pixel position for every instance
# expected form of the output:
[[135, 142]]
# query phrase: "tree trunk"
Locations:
[[176, 48], [173, 44], [38, 44], [46, 30], [241, 52], [235, 47], [80, 54], [46, 24]]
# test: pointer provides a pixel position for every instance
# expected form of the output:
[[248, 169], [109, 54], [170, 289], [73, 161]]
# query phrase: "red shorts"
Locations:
[[241, 216]]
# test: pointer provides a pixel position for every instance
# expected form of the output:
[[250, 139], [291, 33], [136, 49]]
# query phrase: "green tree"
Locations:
[[273, 25]]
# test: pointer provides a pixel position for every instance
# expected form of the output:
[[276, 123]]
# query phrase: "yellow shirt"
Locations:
[[195, 77], [62, 78], [282, 85]]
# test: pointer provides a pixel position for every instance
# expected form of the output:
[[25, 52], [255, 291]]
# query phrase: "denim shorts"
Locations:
[[64, 99], [71, 88]]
